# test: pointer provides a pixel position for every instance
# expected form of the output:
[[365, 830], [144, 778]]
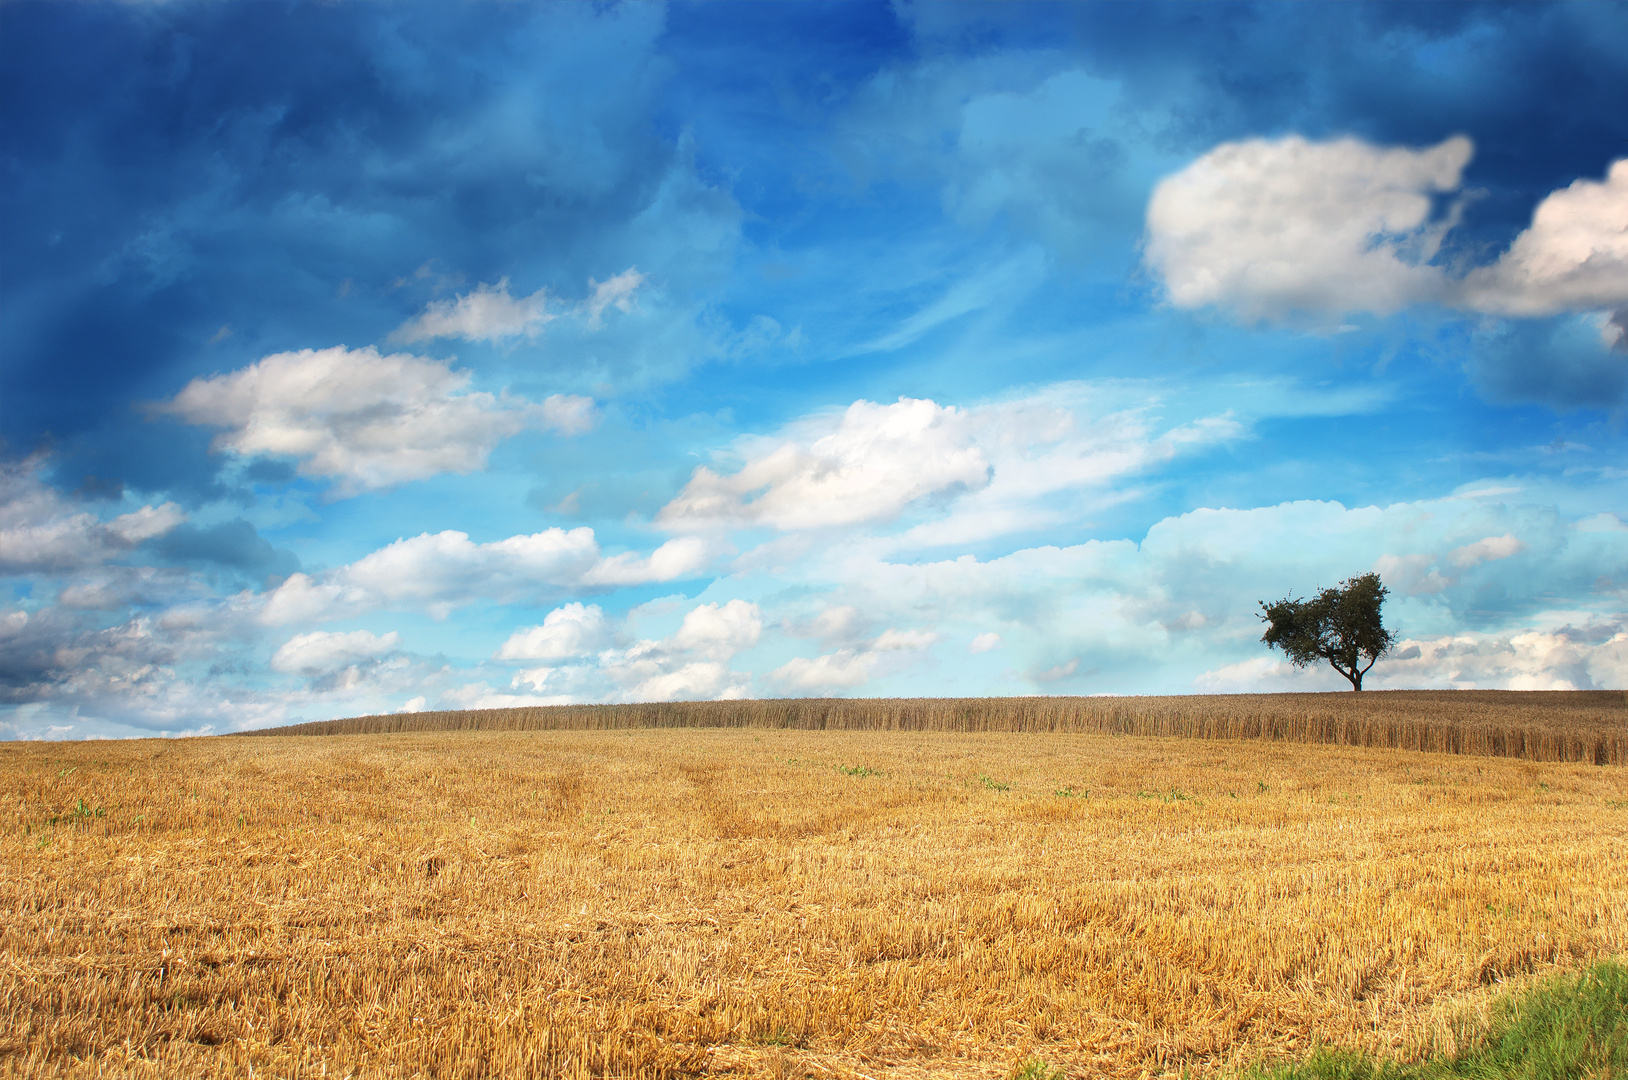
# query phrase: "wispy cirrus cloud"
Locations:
[[487, 313], [491, 313]]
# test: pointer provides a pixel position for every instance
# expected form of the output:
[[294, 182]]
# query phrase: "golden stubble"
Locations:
[[781, 903]]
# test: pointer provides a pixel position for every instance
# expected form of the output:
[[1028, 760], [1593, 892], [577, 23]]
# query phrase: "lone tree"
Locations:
[[1340, 625]]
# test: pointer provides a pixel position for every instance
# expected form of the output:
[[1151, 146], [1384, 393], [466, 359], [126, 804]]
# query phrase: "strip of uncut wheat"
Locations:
[[1589, 726], [772, 902]]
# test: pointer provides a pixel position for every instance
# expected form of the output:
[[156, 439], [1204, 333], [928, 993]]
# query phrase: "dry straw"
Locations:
[[762, 902], [1587, 726]]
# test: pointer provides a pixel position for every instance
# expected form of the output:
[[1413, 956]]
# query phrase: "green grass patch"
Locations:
[[1570, 1027], [858, 770]]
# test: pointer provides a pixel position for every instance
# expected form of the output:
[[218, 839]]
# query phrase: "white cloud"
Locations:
[[699, 681], [616, 292], [1270, 674], [146, 523], [1412, 575], [302, 598], [1419, 575], [569, 631], [310, 654], [693, 663], [1553, 656], [568, 414], [900, 640], [41, 532], [367, 420], [1487, 549], [1052, 461], [683, 556], [878, 460], [985, 642], [719, 631], [841, 670], [1149, 616], [488, 313], [1000, 467], [842, 622], [1274, 227], [1544, 657], [847, 668], [437, 572], [1574, 255], [436, 566]]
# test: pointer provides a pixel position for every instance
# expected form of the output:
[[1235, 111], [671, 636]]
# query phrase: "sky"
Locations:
[[365, 358]]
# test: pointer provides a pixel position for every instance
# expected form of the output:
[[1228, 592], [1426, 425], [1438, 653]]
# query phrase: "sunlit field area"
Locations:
[[766, 901]]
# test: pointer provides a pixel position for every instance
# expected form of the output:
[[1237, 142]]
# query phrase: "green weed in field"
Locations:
[[1571, 1027]]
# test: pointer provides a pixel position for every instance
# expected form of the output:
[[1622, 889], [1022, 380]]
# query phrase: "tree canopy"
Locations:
[[1342, 626]]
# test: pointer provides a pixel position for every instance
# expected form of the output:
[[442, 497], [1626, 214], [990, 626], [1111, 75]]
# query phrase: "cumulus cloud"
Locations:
[[1420, 574], [1412, 575], [985, 642], [1544, 657], [878, 460], [693, 663], [568, 414], [997, 465], [41, 532], [1056, 456], [847, 668], [488, 313], [841, 670], [436, 572], [139, 675], [616, 292], [681, 557], [1270, 228], [1564, 657], [1149, 615], [1574, 256], [318, 652], [366, 420], [1487, 549], [573, 630]]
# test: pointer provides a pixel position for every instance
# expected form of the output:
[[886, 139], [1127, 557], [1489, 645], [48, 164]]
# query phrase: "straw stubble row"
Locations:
[[677, 902], [1589, 726]]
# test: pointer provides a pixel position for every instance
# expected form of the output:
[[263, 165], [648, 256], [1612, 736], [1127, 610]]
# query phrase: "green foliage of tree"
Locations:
[[1342, 626]]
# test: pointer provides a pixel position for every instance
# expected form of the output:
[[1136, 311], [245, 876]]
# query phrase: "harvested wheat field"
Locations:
[[767, 902]]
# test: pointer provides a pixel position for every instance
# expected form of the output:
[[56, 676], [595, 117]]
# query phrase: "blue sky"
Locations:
[[369, 357]]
